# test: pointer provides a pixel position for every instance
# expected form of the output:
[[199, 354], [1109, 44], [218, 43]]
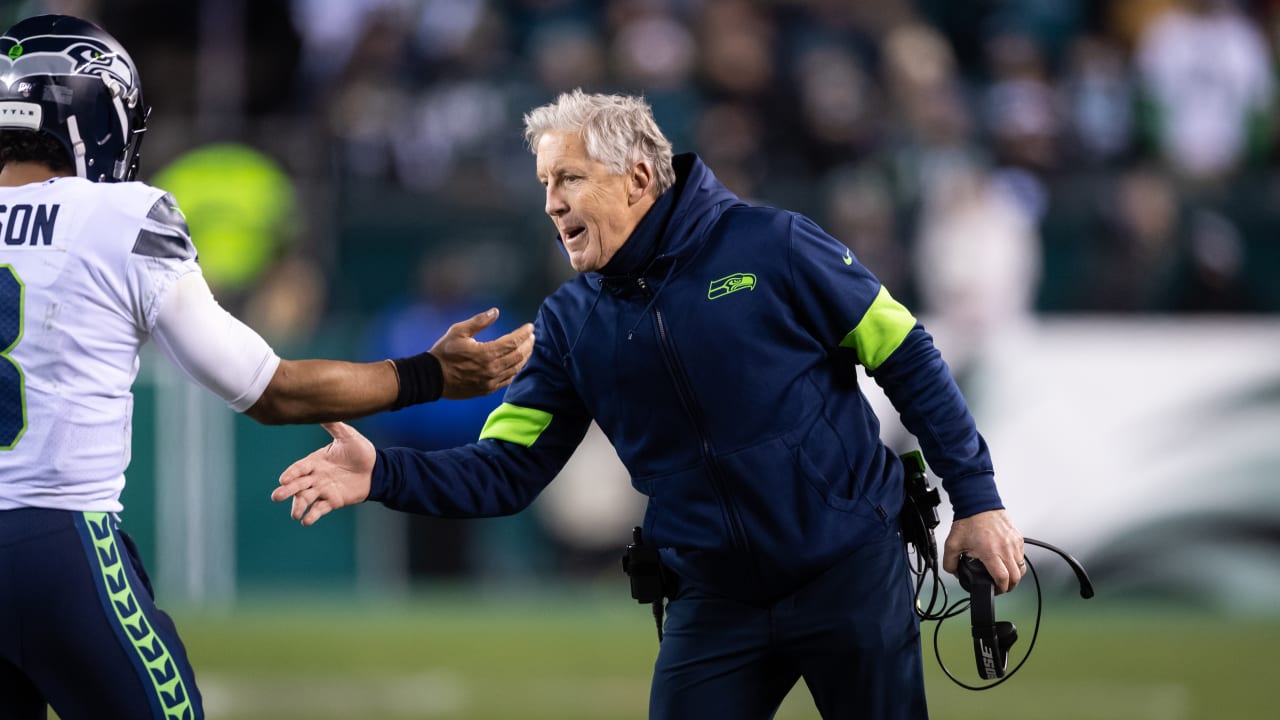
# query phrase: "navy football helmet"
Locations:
[[68, 78]]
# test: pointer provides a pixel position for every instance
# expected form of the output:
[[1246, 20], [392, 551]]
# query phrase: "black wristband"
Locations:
[[421, 380]]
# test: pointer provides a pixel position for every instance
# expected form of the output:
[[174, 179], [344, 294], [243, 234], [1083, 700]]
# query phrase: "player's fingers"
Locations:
[[511, 343], [518, 354], [497, 382], [515, 360], [526, 340], [520, 337]]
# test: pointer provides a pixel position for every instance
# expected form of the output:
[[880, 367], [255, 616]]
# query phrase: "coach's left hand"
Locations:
[[337, 475], [990, 537]]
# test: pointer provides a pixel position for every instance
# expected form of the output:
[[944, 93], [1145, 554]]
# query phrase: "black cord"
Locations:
[[963, 605], [923, 568]]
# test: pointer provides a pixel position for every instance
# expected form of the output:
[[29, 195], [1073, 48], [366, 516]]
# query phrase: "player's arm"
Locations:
[[457, 367], [220, 352], [523, 446]]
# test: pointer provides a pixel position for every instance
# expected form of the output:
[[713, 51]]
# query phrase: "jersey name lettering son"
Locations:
[[28, 224]]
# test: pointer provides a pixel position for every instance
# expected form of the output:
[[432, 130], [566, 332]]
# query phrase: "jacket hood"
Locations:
[[675, 225]]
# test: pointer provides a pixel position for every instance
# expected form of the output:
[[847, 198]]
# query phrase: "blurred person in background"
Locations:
[[94, 265], [858, 209], [1136, 249], [447, 286], [977, 265], [1098, 94], [743, 103], [716, 343], [243, 207], [654, 52], [932, 127], [588, 506], [1217, 257], [1021, 112], [1207, 112]]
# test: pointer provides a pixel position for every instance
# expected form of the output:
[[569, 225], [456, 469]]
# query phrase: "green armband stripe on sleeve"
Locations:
[[881, 330], [515, 424]]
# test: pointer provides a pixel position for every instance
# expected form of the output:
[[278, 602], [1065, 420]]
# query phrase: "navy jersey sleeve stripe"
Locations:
[[164, 233]]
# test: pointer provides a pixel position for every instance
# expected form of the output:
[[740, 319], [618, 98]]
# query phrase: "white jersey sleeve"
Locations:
[[85, 271], [211, 346]]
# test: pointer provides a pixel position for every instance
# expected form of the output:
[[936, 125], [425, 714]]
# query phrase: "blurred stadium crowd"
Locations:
[[354, 173], [1001, 155]]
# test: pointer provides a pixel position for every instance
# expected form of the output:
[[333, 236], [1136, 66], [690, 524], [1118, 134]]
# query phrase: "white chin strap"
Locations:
[[77, 144]]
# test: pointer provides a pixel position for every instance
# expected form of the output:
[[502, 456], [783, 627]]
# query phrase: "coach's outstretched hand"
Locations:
[[334, 476], [472, 368]]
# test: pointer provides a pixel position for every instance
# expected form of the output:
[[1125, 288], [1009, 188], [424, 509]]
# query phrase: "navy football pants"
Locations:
[[851, 633], [78, 628]]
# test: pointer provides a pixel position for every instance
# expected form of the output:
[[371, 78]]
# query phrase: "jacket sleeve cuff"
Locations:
[[974, 494], [380, 482]]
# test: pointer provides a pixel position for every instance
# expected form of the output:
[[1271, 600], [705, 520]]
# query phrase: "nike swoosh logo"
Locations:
[[848, 258]]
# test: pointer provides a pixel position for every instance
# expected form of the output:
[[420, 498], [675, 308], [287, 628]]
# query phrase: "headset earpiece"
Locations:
[[991, 639], [1006, 635]]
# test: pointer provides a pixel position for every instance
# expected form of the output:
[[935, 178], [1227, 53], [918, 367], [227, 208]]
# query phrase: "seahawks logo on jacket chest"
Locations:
[[731, 284]]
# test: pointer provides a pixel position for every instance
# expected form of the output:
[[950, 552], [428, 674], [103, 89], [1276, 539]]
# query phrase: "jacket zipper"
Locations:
[[737, 536]]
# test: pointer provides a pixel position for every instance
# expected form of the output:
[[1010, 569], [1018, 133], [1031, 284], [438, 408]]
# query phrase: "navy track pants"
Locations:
[[79, 630], [852, 634]]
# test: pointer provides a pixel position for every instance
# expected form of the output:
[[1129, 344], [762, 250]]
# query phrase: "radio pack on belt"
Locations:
[[643, 565], [919, 515]]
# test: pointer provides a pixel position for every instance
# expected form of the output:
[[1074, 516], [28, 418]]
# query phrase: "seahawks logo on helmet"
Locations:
[[66, 77], [53, 56]]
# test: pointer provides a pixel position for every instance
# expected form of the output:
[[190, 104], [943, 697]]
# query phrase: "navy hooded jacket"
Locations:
[[717, 350]]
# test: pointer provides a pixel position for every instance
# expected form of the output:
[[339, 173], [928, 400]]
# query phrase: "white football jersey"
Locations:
[[83, 269]]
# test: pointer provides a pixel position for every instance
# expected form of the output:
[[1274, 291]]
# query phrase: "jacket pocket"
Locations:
[[844, 494]]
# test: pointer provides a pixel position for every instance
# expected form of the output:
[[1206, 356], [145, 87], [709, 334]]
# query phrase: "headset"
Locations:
[[992, 638]]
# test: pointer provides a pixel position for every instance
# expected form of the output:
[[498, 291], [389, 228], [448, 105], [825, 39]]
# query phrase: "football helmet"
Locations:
[[67, 77]]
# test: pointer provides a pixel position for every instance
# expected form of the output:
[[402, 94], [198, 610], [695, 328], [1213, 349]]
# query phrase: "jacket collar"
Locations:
[[674, 225], [637, 253]]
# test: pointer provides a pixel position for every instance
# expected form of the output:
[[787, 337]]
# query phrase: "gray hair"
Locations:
[[617, 130]]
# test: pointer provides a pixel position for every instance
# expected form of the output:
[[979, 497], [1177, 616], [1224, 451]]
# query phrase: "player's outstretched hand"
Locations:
[[472, 368], [334, 476]]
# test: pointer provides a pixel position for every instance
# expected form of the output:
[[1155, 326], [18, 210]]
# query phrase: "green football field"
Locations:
[[568, 655]]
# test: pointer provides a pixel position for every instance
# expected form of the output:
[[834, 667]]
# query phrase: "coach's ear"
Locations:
[[639, 181]]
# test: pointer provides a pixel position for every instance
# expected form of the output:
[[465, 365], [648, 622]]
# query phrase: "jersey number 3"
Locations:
[[13, 395]]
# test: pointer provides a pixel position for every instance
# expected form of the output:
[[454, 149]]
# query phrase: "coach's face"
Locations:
[[594, 210]]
